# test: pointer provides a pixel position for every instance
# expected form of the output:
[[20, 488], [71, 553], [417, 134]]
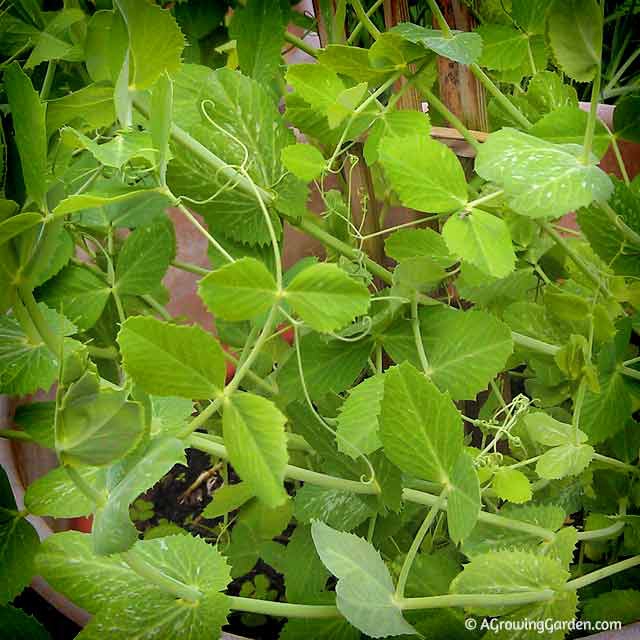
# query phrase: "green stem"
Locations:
[[618, 464], [619, 160], [575, 258], [620, 72], [365, 19], [191, 268], [158, 578], [442, 23], [48, 337], [299, 43], [629, 234], [417, 337], [534, 345], [464, 600], [577, 410], [600, 574], [602, 534], [26, 324], [265, 386], [630, 373], [415, 545], [282, 609], [358, 27], [442, 109], [14, 434], [84, 487], [104, 353], [48, 80], [593, 115], [157, 307]]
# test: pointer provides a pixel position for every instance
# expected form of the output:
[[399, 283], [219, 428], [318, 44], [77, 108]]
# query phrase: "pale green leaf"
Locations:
[[424, 173], [503, 47], [238, 291], [342, 510], [92, 106], [16, 225], [462, 47], [160, 122], [114, 195], [365, 592], [228, 498], [564, 460], [541, 179], [258, 29], [113, 531], [481, 239], [128, 605], [155, 42], [144, 259], [28, 115], [354, 62], [304, 161], [465, 350], [56, 41], [326, 298], [395, 124], [530, 15], [357, 428], [418, 274], [168, 415], [315, 84], [167, 359], [511, 485], [463, 498], [56, 495], [420, 428], [413, 243], [97, 424], [253, 430], [575, 34], [548, 431]]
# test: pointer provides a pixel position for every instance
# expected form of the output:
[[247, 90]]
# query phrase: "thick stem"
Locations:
[[629, 234], [464, 600], [593, 115], [365, 20], [600, 574], [612, 462], [48, 80], [358, 27], [417, 337], [299, 43], [534, 345], [48, 337], [283, 609], [13, 434], [84, 487], [602, 534]]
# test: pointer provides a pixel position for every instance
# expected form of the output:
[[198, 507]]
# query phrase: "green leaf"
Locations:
[[304, 161], [501, 572], [530, 15], [365, 592], [228, 498], [16, 225], [503, 47], [564, 460], [253, 430], [326, 298], [97, 425], [541, 179], [18, 545], [395, 124], [90, 107], [155, 42], [465, 350], [342, 510], [420, 428], [129, 605], [619, 604], [55, 42], [357, 428], [463, 498], [239, 291], [258, 29], [418, 243], [511, 485], [626, 117], [567, 125], [17, 625], [315, 84], [167, 359], [113, 531], [463, 47], [544, 429], [160, 122], [240, 107], [79, 292], [424, 173], [37, 418], [575, 34], [481, 239], [168, 415], [28, 115], [57, 496], [144, 259]]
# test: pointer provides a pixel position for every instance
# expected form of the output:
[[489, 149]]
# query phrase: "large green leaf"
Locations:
[[170, 360], [418, 243], [144, 259], [564, 460], [326, 298], [420, 428], [304, 161], [155, 42], [228, 498], [128, 605], [96, 424], [541, 179], [79, 293], [238, 291], [481, 239], [503, 46], [357, 430], [463, 499], [342, 510], [18, 545], [258, 29], [113, 530], [16, 225], [55, 42], [18, 625], [253, 430], [462, 47], [90, 107], [395, 124], [28, 115], [575, 34], [241, 109], [425, 173], [365, 592]]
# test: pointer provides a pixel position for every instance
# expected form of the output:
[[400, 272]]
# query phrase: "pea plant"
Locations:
[[448, 433]]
